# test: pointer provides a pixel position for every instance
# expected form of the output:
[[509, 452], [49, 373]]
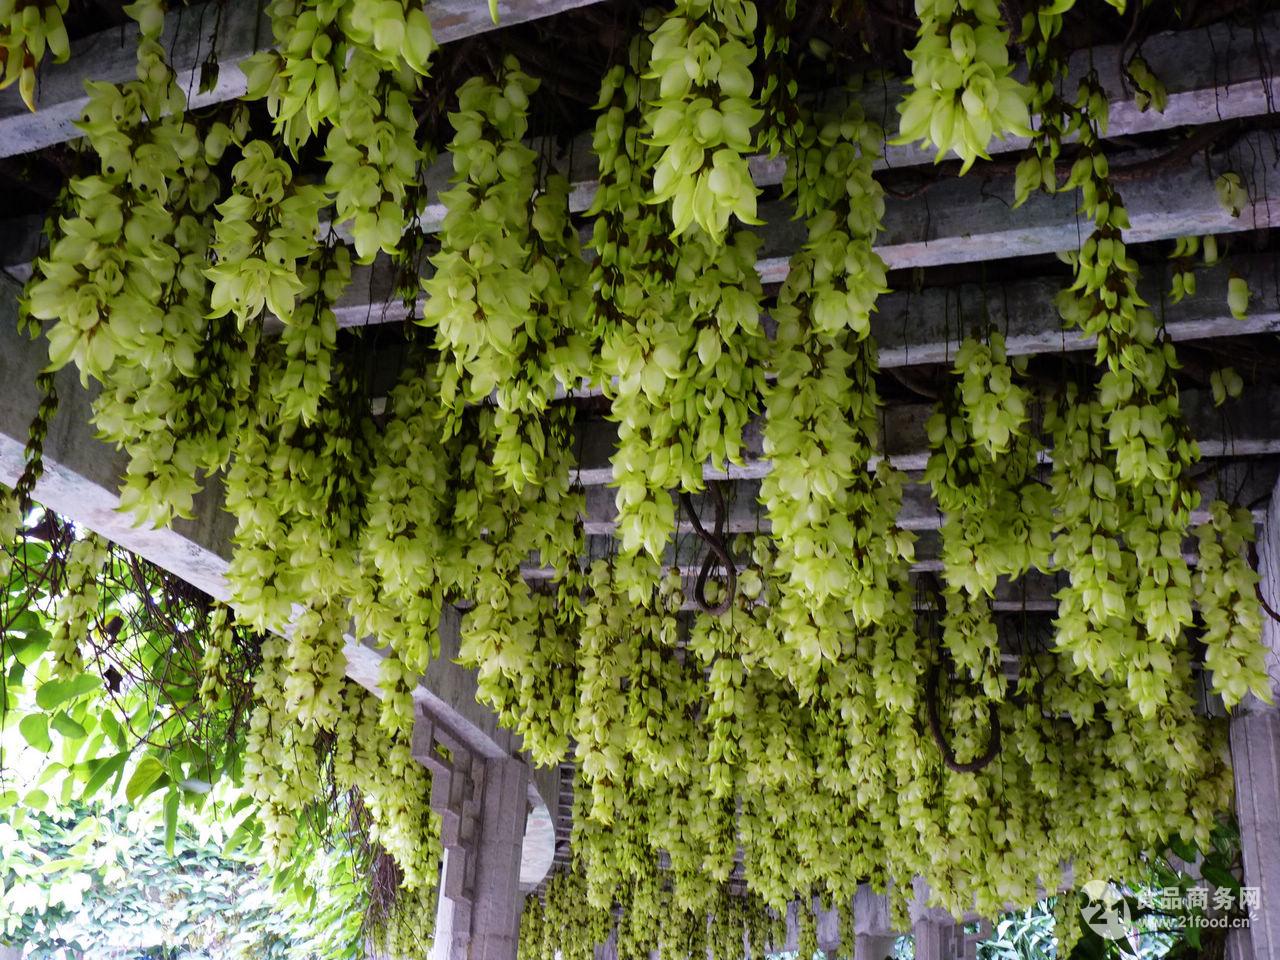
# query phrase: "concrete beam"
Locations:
[[229, 31]]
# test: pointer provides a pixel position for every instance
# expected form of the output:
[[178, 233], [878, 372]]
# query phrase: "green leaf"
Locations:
[[238, 838], [103, 771], [493, 10], [29, 648], [112, 728], [67, 727], [1219, 876], [144, 779], [35, 799], [25, 622], [1184, 850], [54, 693], [35, 730], [170, 820]]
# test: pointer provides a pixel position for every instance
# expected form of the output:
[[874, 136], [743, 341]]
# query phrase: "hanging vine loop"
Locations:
[[717, 553], [935, 726], [1257, 587]]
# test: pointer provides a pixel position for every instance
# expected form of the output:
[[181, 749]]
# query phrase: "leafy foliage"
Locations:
[[123, 691], [93, 882]]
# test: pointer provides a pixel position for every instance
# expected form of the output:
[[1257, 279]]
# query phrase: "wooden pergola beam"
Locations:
[[229, 31], [1236, 80], [1249, 426]]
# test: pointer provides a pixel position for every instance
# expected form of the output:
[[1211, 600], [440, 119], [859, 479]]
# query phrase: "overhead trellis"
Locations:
[[784, 680]]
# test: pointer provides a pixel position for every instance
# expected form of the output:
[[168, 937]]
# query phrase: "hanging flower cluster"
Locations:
[[703, 116], [833, 511], [963, 92], [29, 28], [682, 346], [997, 516]]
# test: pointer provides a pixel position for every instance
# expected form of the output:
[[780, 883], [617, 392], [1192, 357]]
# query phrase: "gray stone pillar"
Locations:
[[874, 938], [828, 929], [938, 939], [971, 940], [483, 806], [1239, 946], [496, 896], [442, 941], [609, 949], [1255, 757], [872, 946]]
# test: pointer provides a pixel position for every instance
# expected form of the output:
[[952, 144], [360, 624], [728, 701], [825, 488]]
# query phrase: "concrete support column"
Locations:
[[874, 938], [483, 805], [442, 943], [971, 940], [828, 929], [938, 939], [609, 949], [1255, 757], [872, 946], [496, 898], [1239, 946]]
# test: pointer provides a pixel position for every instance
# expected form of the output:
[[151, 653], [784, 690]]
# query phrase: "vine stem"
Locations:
[[935, 727], [717, 551]]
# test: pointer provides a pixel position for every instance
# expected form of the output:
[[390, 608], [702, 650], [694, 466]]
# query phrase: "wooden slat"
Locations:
[[1249, 426], [1241, 482], [1212, 74], [970, 219]]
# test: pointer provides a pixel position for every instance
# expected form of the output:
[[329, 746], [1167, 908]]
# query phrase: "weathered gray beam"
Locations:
[[927, 326], [961, 220], [972, 218], [229, 32], [232, 31], [1242, 481], [1249, 426]]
